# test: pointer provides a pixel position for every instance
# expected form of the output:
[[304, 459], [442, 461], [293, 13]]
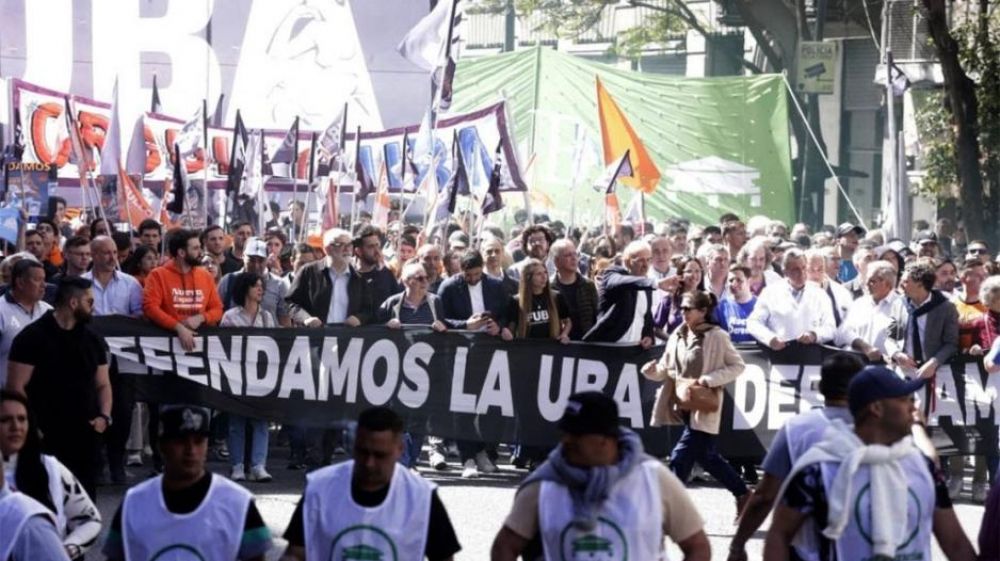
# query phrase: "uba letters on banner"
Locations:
[[472, 386]]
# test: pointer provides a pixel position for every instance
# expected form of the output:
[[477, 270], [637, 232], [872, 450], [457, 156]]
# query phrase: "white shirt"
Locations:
[[868, 321], [14, 318], [122, 295], [476, 297], [787, 314], [634, 333], [339, 301]]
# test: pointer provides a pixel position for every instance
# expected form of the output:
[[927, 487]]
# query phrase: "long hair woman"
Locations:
[[143, 260], [541, 313], [45, 478], [698, 353]]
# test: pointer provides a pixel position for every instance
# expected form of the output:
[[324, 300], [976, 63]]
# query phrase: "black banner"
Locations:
[[471, 386]]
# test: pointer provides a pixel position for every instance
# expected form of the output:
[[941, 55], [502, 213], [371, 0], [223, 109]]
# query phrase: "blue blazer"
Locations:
[[454, 294]]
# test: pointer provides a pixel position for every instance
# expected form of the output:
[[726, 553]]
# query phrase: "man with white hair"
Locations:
[[625, 313], [330, 290], [791, 310], [869, 317]]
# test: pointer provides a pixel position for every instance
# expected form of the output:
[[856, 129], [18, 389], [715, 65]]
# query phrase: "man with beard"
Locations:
[[180, 295], [69, 390], [213, 241], [368, 254]]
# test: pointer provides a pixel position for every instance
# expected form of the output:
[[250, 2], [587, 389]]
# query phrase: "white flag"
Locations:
[[426, 44], [135, 160], [189, 139], [253, 179], [111, 152]]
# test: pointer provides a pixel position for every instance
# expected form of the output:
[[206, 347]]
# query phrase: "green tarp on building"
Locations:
[[721, 144]]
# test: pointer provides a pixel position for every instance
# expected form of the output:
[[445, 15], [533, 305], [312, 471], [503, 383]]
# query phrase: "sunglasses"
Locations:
[[419, 278], [688, 308]]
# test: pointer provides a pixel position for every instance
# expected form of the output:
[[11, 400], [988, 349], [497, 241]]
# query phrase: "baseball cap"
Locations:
[[925, 236], [256, 247], [590, 413], [181, 420], [874, 383], [847, 228]]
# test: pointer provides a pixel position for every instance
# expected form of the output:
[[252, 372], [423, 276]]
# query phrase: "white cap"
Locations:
[[256, 247]]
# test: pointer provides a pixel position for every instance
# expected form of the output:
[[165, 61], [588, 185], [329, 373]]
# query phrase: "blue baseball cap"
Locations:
[[878, 382]]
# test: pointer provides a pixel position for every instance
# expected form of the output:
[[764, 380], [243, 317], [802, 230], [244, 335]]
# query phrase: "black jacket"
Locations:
[[454, 293], [618, 292], [311, 290]]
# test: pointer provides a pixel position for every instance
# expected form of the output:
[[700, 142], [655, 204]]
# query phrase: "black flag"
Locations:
[[176, 205]]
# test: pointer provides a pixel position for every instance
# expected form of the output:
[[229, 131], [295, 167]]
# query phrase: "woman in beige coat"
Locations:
[[698, 353]]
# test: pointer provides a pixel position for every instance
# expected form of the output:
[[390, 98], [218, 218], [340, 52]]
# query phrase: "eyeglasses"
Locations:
[[419, 278]]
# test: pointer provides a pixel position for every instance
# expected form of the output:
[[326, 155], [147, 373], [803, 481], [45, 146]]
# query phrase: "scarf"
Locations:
[[888, 482], [589, 487]]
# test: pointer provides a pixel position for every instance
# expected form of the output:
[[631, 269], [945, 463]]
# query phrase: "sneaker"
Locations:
[[469, 470], [134, 459], [955, 487], [979, 491], [437, 461], [222, 449], [484, 464], [259, 474], [237, 473]]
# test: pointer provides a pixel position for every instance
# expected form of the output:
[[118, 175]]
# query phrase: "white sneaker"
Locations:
[[469, 470], [259, 474], [237, 473], [979, 491], [484, 464], [437, 461], [134, 459]]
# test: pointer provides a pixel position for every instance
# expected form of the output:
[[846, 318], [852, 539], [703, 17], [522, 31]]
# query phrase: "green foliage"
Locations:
[[937, 138], [568, 19], [979, 41]]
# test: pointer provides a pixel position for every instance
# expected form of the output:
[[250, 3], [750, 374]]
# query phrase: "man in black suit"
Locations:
[[475, 301], [331, 290], [625, 299]]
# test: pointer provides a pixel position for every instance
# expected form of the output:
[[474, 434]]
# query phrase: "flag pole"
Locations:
[[357, 180], [311, 174]]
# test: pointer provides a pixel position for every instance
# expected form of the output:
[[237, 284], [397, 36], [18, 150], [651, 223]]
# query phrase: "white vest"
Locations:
[[56, 491], [629, 527], [15, 510], [337, 528], [212, 532], [801, 432], [855, 543]]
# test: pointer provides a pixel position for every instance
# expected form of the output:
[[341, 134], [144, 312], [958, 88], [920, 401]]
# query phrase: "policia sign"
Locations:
[[475, 387]]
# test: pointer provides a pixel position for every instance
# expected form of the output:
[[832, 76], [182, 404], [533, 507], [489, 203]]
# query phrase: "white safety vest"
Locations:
[[212, 532], [855, 543], [56, 491], [15, 511], [629, 523], [337, 528], [801, 432]]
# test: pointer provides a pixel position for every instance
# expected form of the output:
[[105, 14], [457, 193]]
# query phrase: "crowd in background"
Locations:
[[697, 289]]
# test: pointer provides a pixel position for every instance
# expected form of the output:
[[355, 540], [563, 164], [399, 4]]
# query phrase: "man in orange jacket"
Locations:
[[180, 295]]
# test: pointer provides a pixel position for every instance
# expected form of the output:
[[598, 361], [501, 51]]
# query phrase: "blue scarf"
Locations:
[[590, 487]]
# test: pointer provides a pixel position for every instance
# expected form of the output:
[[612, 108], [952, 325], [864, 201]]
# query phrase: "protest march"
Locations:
[[590, 290]]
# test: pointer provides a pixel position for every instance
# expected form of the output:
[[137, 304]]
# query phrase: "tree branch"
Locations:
[[689, 18]]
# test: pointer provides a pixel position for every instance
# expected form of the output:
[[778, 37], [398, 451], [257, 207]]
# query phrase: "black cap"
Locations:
[[847, 228], [182, 420], [874, 383], [590, 413]]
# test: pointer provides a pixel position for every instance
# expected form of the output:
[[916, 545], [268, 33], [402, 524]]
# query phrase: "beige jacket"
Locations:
[[721, 364]]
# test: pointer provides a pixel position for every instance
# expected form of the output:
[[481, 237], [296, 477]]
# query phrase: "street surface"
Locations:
[[478, 506]]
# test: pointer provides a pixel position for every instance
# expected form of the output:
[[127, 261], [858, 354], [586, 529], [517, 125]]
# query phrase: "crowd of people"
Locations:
[[899, 311]]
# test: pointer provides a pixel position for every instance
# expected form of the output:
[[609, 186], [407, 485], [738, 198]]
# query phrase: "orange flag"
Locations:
[[132, 206], [617, 136], [612, 212]]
